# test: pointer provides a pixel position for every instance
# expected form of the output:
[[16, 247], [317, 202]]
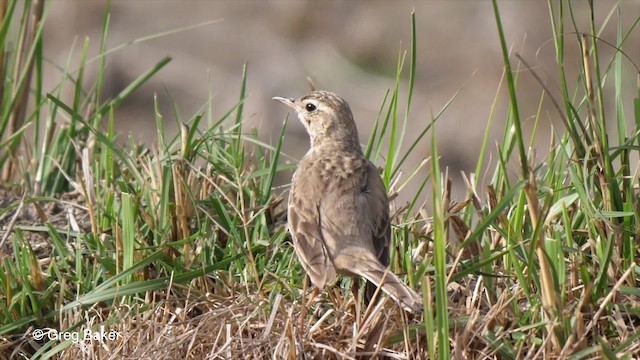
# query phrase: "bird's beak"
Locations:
[[286, 101]]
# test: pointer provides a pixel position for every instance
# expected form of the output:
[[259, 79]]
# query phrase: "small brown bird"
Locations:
[[338, 205]]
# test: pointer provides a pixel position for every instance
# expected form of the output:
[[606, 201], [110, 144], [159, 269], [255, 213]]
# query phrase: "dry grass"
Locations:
[[216, 317]]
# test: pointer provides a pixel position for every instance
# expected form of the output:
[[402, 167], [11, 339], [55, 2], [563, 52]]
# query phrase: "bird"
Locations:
[[338, 209]]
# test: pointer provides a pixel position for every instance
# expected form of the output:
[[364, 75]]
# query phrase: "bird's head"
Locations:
[[327, 118]]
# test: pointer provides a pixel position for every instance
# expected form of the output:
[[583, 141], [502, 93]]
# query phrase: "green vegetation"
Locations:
[[180, 248]]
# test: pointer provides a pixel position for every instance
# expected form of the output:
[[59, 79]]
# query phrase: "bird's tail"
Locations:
[[377, 274]]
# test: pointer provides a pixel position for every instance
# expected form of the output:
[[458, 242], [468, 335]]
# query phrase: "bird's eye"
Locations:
[[310, 107]]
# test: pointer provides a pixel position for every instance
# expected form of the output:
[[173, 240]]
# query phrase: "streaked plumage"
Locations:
[[338, 207]]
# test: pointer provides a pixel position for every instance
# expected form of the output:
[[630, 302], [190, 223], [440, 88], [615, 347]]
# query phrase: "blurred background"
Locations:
[[349, 47]]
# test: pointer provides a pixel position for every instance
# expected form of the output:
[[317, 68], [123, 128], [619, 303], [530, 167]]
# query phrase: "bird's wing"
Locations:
[[304, 225], [356, 230], [354, 216], [379, 213]]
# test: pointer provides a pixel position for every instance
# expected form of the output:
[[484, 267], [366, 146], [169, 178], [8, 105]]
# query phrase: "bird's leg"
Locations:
[[303, 311], [334, 296], [355, 290], [313, 296]]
